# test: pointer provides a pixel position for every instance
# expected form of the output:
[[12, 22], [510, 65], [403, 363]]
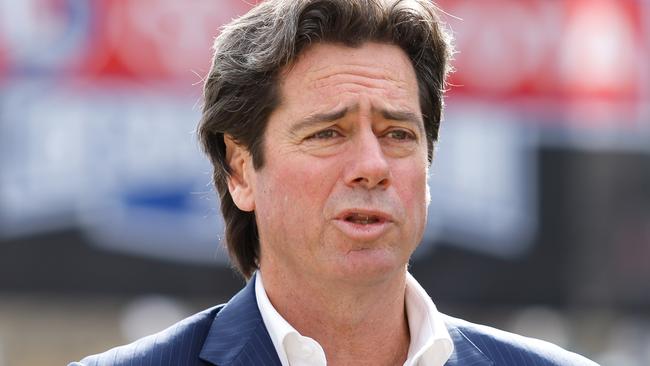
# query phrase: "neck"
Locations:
[[348, 320]]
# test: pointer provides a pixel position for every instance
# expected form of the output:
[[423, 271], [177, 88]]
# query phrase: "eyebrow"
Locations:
[[395, 115], [402, 115], [318, 118]]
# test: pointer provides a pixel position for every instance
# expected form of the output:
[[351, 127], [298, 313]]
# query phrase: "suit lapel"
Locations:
[[465, 352], [238, 335]]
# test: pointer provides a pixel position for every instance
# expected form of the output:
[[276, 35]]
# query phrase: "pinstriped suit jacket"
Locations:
[[234, 335]]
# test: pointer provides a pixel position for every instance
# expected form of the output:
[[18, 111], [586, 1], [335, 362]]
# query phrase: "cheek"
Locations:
[[415, 202], [302, 184], [412, 179], [294, 191], [414, 193]]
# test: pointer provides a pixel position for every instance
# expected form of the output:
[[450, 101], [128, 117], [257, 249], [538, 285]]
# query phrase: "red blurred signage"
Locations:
[[141, 39], [508, 48], [550, 49], [159, 39]]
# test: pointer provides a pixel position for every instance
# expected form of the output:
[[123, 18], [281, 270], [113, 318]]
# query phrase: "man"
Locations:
[[320, 118]]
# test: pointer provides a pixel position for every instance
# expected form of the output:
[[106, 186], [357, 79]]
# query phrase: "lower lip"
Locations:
[[363, 232]]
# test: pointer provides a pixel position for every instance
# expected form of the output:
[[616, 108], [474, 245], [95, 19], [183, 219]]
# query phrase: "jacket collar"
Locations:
[[238, 336], [465, 352]]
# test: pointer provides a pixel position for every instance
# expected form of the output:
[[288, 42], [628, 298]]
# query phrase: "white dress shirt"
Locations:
[[430, 345]]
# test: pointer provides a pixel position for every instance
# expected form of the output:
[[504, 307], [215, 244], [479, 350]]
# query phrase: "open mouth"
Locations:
[[364, 225], [361, 219]]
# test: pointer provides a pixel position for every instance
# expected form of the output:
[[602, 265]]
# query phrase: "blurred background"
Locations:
[[110, 230]]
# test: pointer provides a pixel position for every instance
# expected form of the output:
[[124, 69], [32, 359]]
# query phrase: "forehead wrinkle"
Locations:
[[334, 89], [355, 84], [371, 72], [322, 87], [362, 76]]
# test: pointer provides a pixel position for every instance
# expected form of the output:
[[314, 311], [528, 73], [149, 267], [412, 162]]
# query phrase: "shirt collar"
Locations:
[[289, 344], [430, 345]]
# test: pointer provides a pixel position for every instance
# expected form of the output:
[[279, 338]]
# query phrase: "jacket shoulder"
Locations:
[[180, 344], [505, 348]]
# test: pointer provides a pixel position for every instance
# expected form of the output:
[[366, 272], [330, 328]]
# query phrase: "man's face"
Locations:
[[343, 190]]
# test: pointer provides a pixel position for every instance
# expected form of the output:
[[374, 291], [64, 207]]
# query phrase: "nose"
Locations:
[[367, 166]]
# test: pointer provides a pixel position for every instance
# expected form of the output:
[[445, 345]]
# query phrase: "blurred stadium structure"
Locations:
[[540, 187]]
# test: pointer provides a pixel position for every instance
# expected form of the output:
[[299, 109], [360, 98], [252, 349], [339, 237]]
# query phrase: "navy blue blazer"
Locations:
[[235, 335]]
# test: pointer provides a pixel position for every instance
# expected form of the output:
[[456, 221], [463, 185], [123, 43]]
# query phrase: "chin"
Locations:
[[371, 265]]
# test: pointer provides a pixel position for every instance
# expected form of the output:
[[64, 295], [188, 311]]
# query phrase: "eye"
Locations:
[[324, 135], [401, 135]]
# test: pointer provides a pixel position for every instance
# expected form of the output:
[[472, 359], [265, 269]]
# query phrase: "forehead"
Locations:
[[329, 75]]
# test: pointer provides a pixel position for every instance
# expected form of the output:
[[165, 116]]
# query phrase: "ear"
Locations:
[[240, 181]]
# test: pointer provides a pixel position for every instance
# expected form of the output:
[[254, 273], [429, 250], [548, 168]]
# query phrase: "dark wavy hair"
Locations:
[[242, 87]]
